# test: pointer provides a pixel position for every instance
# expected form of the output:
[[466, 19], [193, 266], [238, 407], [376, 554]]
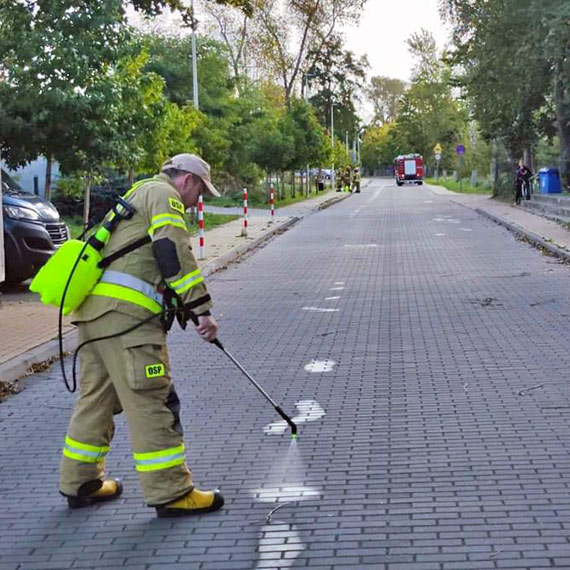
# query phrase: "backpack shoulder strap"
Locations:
[[106, 261]]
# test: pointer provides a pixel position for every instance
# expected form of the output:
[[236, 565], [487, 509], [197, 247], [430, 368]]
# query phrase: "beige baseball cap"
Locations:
[[194, 164]]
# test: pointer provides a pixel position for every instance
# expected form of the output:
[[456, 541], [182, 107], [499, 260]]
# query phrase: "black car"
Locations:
[[33, 231]]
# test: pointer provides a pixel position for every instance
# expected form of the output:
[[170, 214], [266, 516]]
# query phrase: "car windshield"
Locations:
[[10, 186]]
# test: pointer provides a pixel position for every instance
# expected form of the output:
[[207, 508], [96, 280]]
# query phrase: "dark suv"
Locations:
[[33, 230]]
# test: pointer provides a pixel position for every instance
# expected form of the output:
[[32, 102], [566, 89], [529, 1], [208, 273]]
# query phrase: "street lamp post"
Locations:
[[332, 145], [306, 97], [194, 64]]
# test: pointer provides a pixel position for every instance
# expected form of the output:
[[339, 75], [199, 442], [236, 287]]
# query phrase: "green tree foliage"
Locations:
[[512, 60], [429, 113], [379, 147], [313, 24], [310, 143], [336, 75], [155, 7], [385, 94], [53, 54]]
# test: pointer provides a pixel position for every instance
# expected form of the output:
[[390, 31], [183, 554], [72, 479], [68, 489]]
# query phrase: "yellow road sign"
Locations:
[[437, 149]]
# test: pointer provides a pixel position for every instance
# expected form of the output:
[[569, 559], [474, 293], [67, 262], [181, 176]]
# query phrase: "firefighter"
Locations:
[[356, 180], [346, 179], [339, 180], [131, 373]]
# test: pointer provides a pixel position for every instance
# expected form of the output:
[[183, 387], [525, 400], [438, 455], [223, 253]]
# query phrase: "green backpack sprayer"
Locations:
[[67, 279]]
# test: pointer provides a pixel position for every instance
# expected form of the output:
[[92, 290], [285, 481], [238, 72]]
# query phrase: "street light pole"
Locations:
[[332, 145], [194, 64]]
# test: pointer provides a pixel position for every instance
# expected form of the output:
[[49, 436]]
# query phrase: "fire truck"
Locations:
[[409, 169]]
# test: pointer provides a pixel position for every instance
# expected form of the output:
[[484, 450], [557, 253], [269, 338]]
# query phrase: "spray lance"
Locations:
[[277, 408]]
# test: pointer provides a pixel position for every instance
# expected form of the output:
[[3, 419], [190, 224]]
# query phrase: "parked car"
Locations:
[[33, 231]]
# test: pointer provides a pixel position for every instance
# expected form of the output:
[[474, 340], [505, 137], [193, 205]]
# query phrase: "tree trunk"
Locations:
[[86, 202], [494, 167], [563, 124], [293, 183], [132, 176], [47, 186]]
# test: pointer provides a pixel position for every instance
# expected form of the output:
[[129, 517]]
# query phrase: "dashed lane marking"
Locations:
[[320, 366]]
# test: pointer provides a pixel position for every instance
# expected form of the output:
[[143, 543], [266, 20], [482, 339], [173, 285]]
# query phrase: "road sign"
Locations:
[[460, 149], [438, 157], [437, 149]]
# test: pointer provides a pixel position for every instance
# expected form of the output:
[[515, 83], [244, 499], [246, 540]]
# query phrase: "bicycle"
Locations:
[[526, 188]]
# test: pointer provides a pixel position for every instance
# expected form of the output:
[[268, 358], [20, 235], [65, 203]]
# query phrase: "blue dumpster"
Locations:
[[549, 181]]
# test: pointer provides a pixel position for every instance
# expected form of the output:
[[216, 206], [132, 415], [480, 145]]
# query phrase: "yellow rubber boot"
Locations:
[[196, 502], [96, 492]]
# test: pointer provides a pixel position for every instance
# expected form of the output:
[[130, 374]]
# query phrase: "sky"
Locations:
[[384, 27]]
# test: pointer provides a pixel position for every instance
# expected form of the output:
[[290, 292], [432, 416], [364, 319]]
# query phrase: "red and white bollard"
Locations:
[[244, 229], [202, 248], [272, 202]]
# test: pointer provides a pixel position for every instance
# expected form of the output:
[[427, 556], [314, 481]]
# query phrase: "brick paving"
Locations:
[[444, 444]]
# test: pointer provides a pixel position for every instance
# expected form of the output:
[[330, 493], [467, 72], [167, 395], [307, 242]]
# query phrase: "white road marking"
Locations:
[[320, 366], [439, 235], [465, 230], [284, 494], [319, 310], [428, 201], [268, 548], [332, 298], [270, 544], [336, 289], [360, 245], [446, 219], [339, 282], [309, 411]]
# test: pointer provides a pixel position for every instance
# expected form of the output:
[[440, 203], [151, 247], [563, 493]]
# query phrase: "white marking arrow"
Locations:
[[309, 411]]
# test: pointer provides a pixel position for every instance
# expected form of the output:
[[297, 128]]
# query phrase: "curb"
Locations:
[[234, 254], [533, 238], [20, 366]]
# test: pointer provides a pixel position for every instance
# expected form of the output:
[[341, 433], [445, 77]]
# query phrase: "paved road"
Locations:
[[412, 324]]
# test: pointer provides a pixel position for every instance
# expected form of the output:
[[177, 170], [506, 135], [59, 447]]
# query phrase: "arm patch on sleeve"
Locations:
[[176, 205], [164, 251]]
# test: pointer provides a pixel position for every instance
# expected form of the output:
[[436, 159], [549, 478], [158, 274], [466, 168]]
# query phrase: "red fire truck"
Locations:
[[409, 169]]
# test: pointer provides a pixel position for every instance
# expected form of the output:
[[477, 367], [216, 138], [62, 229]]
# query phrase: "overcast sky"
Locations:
[[384, 27]]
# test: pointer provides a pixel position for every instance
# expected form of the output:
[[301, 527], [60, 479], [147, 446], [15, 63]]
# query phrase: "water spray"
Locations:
[[277, 408]]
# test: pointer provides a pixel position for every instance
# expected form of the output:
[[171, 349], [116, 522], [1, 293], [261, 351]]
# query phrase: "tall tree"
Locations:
[[429, 113], [52, 56], [500, 63], [385, 94], [288, 29], [233, 28], [336, 78]]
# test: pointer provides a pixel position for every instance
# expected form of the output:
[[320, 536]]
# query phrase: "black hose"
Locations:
[[60, 320]]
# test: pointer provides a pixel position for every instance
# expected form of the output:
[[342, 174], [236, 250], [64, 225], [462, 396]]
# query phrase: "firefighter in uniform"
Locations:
[[356, 179], [346, 179], [131, 372], [338, 179]]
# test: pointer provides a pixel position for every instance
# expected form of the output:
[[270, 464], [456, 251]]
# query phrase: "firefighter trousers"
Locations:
[[130, 373]]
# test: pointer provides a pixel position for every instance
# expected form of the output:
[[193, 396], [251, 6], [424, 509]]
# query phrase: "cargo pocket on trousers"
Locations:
[[147, 367]]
